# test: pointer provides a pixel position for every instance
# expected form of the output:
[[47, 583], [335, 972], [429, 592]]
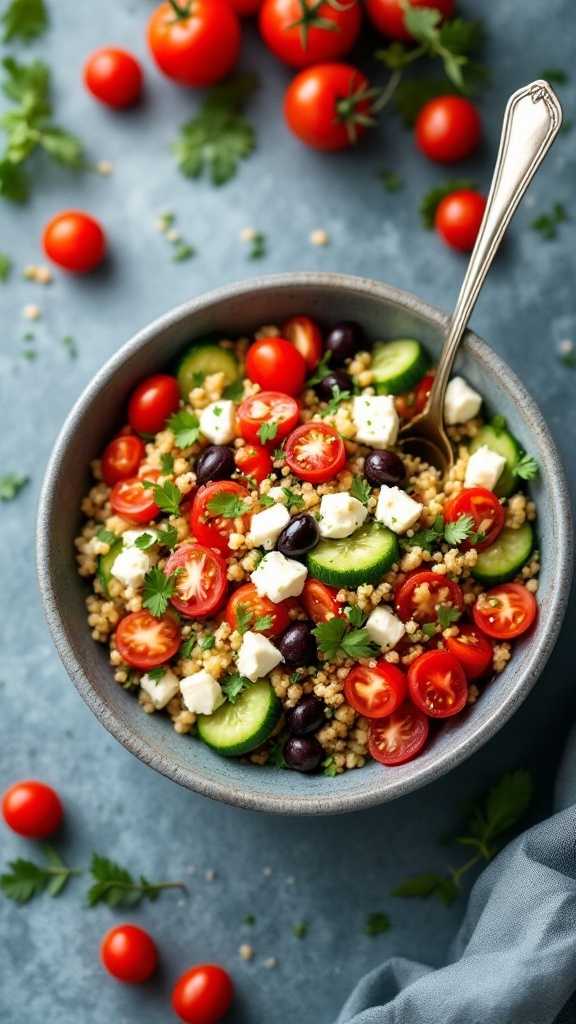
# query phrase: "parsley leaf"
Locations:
[[391, 181], [185, 426], [431, 201], [26, 879], [234, 685], [301, 930], [243, 615], [266, 501], [107, 537], [166, 463], [425, 885], [115, 886], [168, 536], [547, 223], [234, 392], [356, 617], [376, 924], [156, 674], [258, 249], [24, 19], [526, 467], [167, 496], [227, 504], [262, 623], [158, 589], [70, 345], [10, 484], [293, 500], [357, 644], [337, 397], [186, 648], [447, 614], [556, 76], [459, 531], [267, 432], [145, 541], [14, 183], [321, 371], [276, 751], [207, 642], [5, 266], [429, 629], [183, 252], [335, 635], [361, 490], [330, 768]]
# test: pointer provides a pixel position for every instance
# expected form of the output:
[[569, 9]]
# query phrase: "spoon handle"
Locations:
[[531, 122]]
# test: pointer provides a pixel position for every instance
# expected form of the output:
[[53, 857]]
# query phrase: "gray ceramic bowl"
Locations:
[[385, 313]]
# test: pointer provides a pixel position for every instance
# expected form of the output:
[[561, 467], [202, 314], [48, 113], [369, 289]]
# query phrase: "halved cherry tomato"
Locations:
[[319, 601], [202, 581], [152, 402], [306, 336], [276, 363], [145, 641], [398, 737], [486, 511], [121, 458], [421, 593], [375, 692], [253, 460], [32, 809], [129, 953], [412, 403], [305, 33], [271, 407], [130, 499], [473, 650], [437, 684], [315, 452], [211, 527], [505, 611], [248, 599]]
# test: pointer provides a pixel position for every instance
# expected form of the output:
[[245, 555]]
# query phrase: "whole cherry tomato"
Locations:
[[448, 128], [129, 953], [458, 219], [195, 44], [306, 336], [32, 809], [327, 106], [113, 76], [121, 458], [305, 32], [275, 364], [388, 15], [75, 241], [245, 8], [253, 460], [152, 402], [203, 994]]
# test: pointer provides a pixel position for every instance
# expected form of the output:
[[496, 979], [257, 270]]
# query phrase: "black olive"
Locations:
[[215, 463], [344, 340], [297, 644], [300, 535], [303, 753], [384, 468], [307, 716], [337, 379]]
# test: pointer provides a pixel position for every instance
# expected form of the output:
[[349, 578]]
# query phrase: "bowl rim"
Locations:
[[331, 802]]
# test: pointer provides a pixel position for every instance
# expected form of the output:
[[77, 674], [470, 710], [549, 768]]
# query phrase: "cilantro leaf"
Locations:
[[166, 463], [234, 685], [429, 629], [5, 266], [427, 538], [357, 644], [321, 370], [115, 886], [243, 615], [547, 223], [376, 924], [227, 504], [183, 252], [107, 537], [526, 467], [293, 500], [276, 751], [24, 19], [10, 485], [168, 535], [459, 531], [27, 879], [185, 426], [207, 642], [262, 623], [426, 885], [337, 397], [329, 767], [447, 614], [258, 249], [431, 201], [267, 432], [391, 181], [266, 501], [186, 648], [361, 490], [158, 589], [145, 541], [356, 617], [234, 392], [156, 674], [167, 495], [329, 636]]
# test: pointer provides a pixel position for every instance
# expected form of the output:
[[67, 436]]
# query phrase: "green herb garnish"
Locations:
[[526, 467], [335, 635], [115, 886], [361, 490], [185, 426], [158, 589], [26, 879], [5, 267], [267, 432], [10, 485], [233, 686], [547, 223], [376, 924], [24, 19], [228, 505], [167, 496]]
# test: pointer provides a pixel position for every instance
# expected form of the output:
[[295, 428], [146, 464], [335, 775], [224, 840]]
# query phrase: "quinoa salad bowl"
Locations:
[[256, 591]]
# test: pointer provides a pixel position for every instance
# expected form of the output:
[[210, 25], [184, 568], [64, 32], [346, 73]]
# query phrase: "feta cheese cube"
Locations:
[[376, 420], [484, 468], [384, 627], [277, 494], [161, 690], [129, 537], [257, 656], [396, 509], [130, 567], [340, 515], [278, 577], [461, 402], [218, 422], [201, 693], [266, 526]]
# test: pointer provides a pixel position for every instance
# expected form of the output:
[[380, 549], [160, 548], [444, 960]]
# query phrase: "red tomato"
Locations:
[[484, 508], [272, 407], [131, 500], [129, 953], [388, 15], [152, 402], [473, 650], [421, 593], [145, 641], [197, 47], [245, 8], [209, 526], [505, 611], [315, 452], [326, 106], [113, 76], [32, 809], [306, 336], [203, 994], [249, 600], [305, 32], [458, 219], [202, 583], [276, 363], [437, 684], [399, 737], [412, 403], [75, 241], [319, 601], [121, 458], [254, 461], [375, 692], [448, 129]]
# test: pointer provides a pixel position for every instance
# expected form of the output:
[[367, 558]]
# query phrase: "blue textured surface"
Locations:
[[330, 872]]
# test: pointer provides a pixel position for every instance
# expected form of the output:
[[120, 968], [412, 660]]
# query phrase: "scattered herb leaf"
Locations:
[[115, 886], [234, 392], [183, 252], [337, 397], [330, 768], [321, 370], [167, 495], [266, 501], [24, 19], [376, 924], [391, 181], [166, 463], [27, 880], [5, 267], [556, 76], [276, 751], [156, 674], [145, 541], [107, 537], [301, 930], [459, 531], [258, 243], [429, 629], [168, 535], [10, 485], [70, 345], [262, 623], [207, 642], [356, 617], [234, 685], [250, 919], [447, 614], [547, 223], [335, 635], [293, 500], [186, 648], [526, 467]]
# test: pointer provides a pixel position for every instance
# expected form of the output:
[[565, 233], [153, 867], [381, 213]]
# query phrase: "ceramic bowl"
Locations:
[[238, 309]]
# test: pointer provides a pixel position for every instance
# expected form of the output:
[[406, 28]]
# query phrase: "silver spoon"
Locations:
[[531, 123]]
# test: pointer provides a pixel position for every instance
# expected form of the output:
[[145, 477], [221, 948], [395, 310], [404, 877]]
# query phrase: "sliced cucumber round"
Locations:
[[500, 562], [398, 365], [105, 563], [238, 728], [202, 358], [499, 440], [363, 557]]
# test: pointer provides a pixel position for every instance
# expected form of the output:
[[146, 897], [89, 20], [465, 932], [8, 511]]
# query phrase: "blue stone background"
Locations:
[[330, 872]]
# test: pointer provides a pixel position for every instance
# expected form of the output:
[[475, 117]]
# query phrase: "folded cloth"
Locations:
[[514, 958]]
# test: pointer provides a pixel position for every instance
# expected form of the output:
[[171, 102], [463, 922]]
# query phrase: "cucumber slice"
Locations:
[[205, 357], [398, 365], [500, 562], [235, 729], [363, 557], [105, 563], [497, 439]]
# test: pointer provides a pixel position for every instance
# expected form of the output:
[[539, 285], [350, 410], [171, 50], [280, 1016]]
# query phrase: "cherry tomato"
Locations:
[[248, 599], [245, 8], [375, 692], [505, 611], [473, 650], [447, 129], [484, 508], [75, 241], [121, 458], [458, 219], [209, 526], [412, 403], [319, 601], [254, 461], [304, 32], [388, 15], [422, 593], [113, 76], [131, 500], [129, 953], [32, 809], [276, 363], [203, 994], [398, 737], [271, 407], [315, 452], [202, 583], [437, 684], [326, 106], [145, 641], [197, 47], [306, 336], [152, 402]]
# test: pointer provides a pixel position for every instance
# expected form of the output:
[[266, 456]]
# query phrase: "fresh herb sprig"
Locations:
[[158, 589], [267, 432], [337, 635], [10, 485], [167, 495], [25, 20], [116, 887], [361, 490], [5, 267], [547, 223], [185, 426], [376, 924], [321, 371], [233, 686], [338, 397], [228, 505], [452, 532], [27, 879]]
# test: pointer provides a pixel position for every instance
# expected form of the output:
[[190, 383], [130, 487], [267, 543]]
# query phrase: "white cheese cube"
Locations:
[[461, 402], [340, 515], [277, 494], [161, 690], [130, 567], [376, 420], [278, 577], [384, 627], [218, 422], [266, 526], [257, 656], [129, 537], [201, 693], [396, 509], [484, 468]]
